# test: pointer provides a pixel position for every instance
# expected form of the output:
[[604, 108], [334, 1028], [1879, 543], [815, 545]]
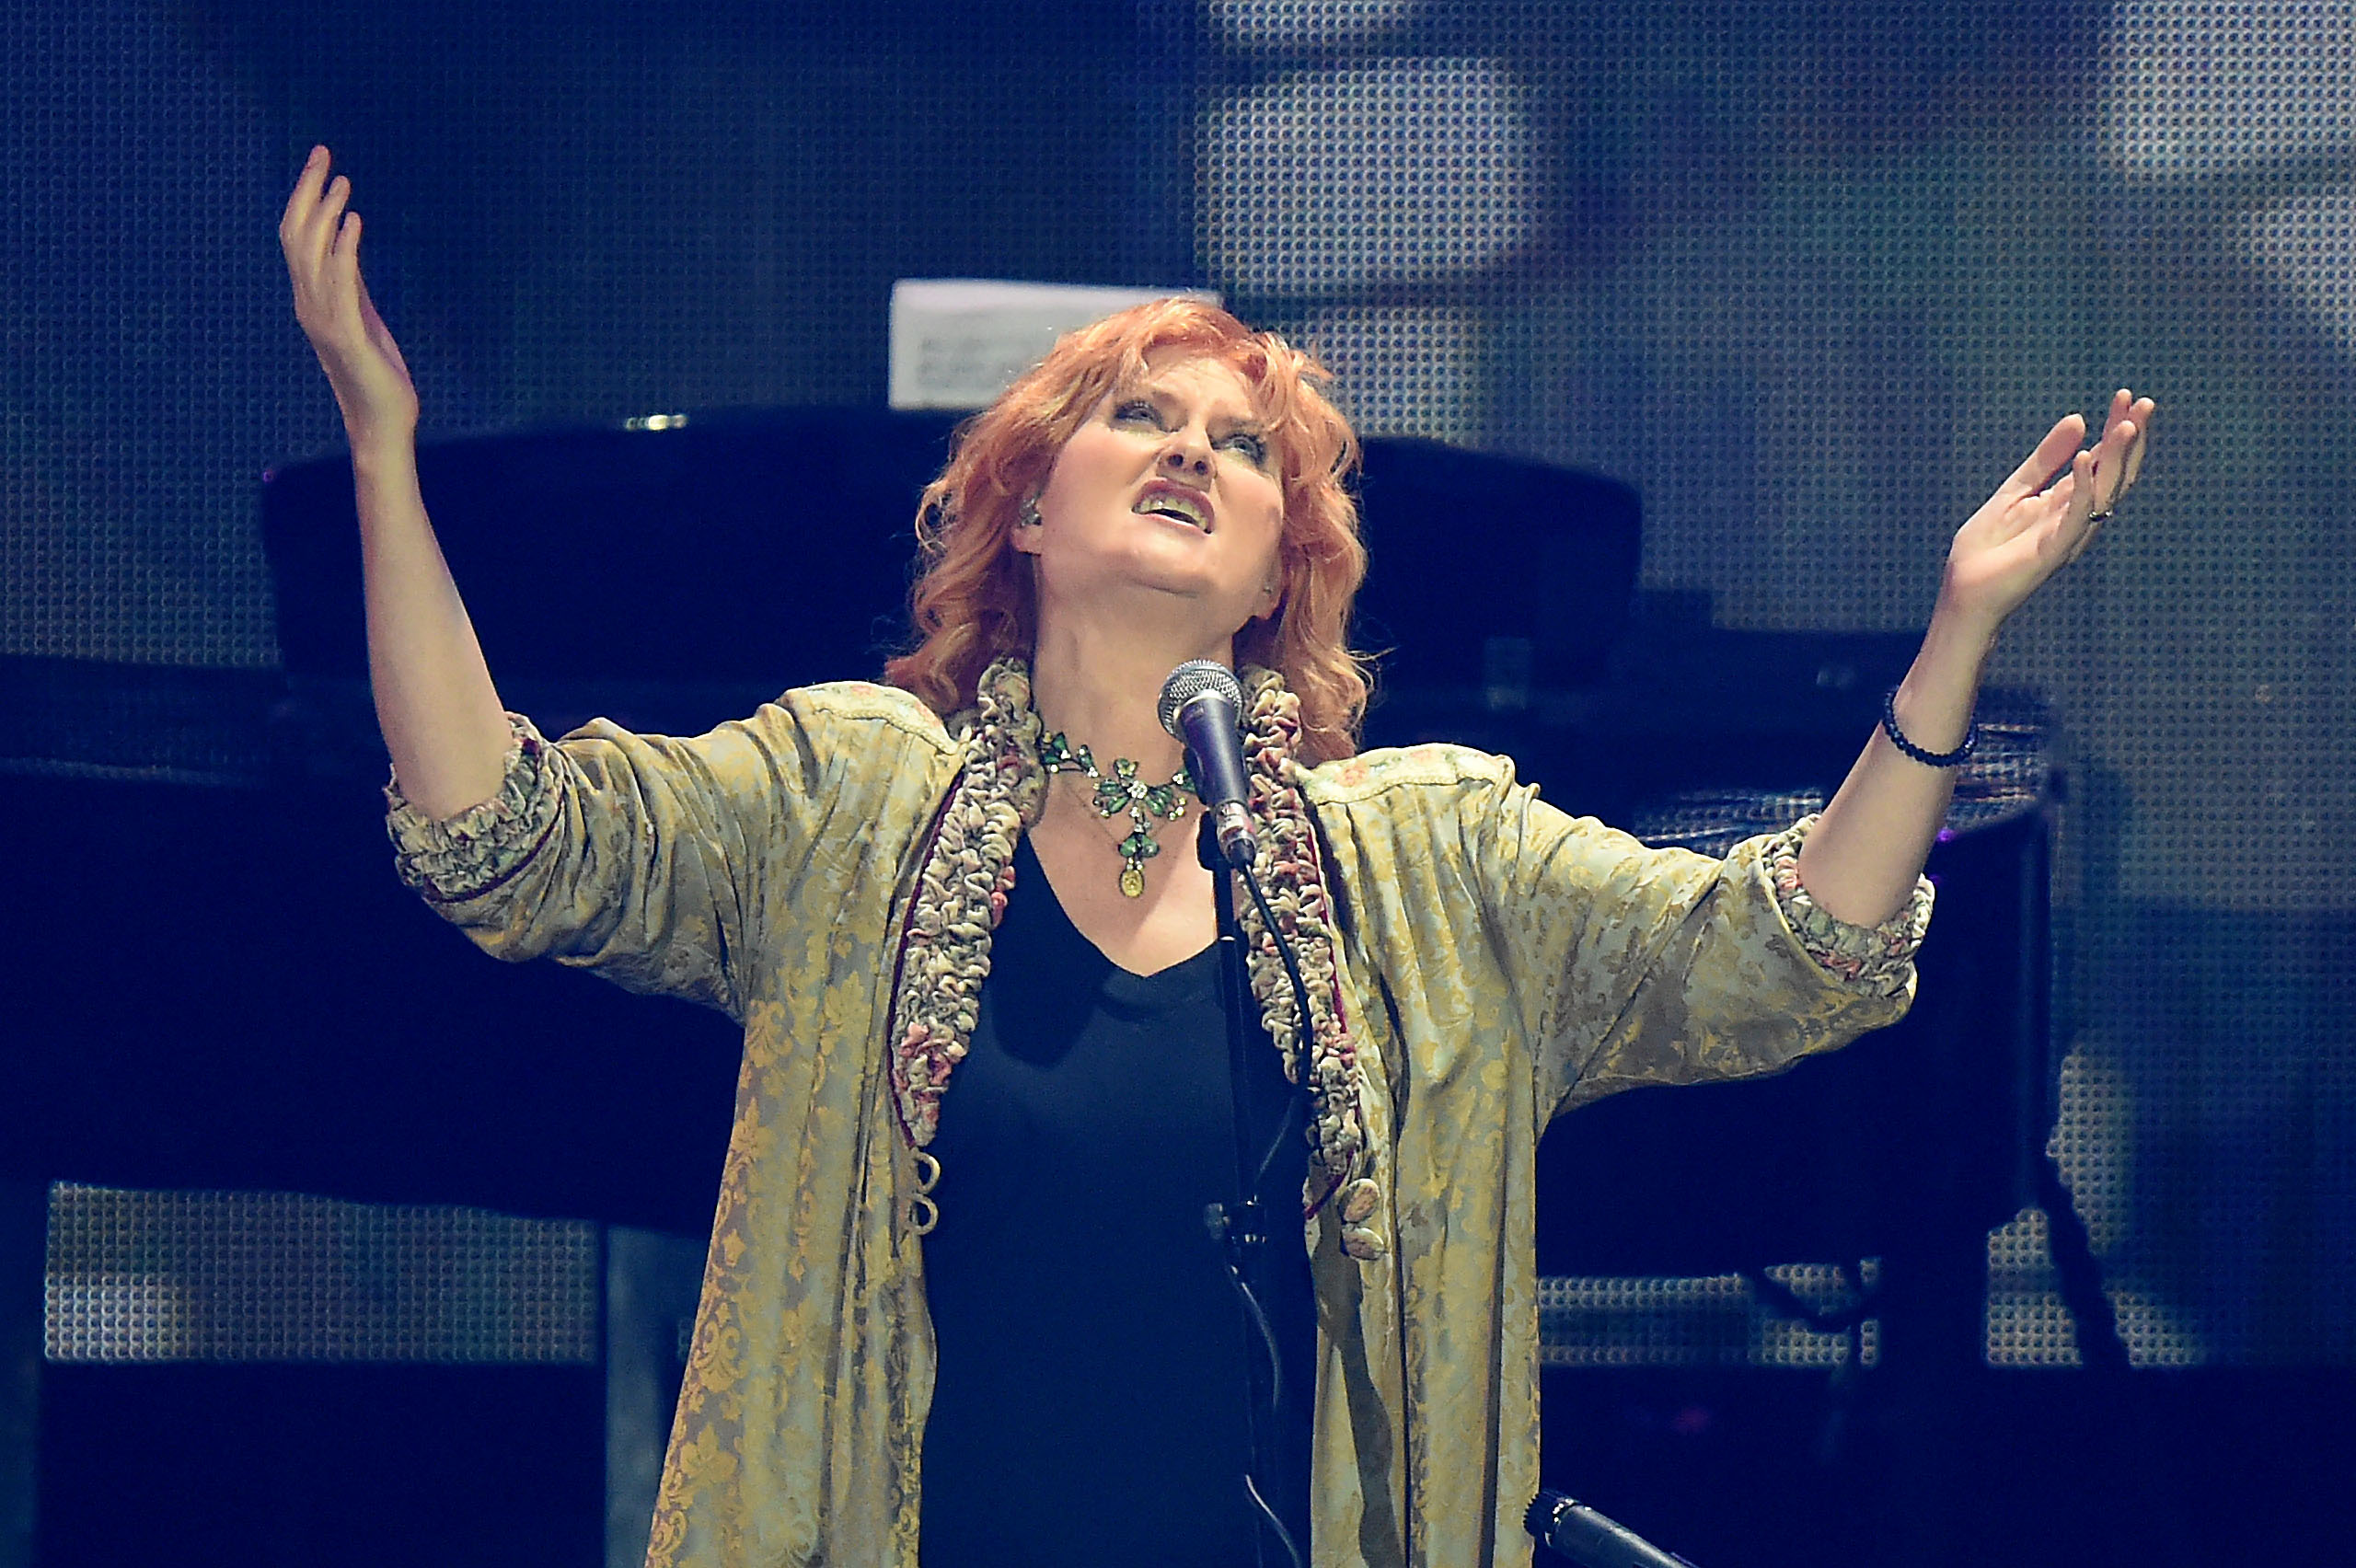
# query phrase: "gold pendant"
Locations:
[[1133, 882]]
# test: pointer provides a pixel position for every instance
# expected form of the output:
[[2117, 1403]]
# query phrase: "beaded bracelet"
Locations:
[[1927, 758]]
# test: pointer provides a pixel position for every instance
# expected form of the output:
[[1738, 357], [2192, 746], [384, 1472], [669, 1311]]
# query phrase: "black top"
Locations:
[[1091, 1398]]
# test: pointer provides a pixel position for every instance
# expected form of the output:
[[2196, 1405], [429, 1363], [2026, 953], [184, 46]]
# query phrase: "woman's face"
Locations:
[[1166, 498]]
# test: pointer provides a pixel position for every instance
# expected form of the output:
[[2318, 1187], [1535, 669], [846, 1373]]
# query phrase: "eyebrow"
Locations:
[[1251, 423]]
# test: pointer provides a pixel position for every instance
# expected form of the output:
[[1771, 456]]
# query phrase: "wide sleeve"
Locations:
[[650, 859], [1635, 966]]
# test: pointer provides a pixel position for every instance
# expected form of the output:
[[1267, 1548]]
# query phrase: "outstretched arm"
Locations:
[[441, 716], [1860, 862]]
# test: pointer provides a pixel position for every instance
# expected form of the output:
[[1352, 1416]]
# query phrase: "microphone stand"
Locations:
[[1241, 1228]]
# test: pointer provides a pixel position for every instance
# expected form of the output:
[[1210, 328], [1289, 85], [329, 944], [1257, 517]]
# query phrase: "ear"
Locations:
[[1272, 596], [1027, 524]]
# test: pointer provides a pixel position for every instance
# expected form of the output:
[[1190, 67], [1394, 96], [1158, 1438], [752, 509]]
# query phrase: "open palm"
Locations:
[[321, 239], [2047, 514]]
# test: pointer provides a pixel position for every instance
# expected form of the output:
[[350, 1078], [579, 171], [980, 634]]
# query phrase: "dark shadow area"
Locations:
[[300, 1466], [1777, 1470]]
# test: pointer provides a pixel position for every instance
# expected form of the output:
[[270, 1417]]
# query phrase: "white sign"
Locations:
[[958, 342]]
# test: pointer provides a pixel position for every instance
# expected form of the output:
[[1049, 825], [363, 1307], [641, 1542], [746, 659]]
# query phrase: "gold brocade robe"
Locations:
[[1501, 962]]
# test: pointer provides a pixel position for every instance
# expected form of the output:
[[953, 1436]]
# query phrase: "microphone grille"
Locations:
[[1189, 681]]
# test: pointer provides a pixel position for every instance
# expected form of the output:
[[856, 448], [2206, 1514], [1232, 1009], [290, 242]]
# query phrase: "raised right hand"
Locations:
[[363, 365]]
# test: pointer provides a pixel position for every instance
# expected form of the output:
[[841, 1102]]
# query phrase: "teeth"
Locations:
[[1175, 507]]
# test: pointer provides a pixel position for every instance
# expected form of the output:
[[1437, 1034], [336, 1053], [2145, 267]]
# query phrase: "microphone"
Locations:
[[1567, 1525], [1202, 704]]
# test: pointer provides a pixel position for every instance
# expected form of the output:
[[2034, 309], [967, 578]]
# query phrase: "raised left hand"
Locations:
[[2046, 516]]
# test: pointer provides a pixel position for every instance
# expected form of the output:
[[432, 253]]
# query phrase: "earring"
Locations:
[[1028, 516]]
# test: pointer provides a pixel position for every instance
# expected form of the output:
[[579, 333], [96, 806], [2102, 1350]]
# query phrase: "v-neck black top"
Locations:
[[1090, 1406]]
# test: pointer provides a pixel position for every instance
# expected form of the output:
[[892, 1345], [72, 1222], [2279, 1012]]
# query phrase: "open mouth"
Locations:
[[1176, 505]]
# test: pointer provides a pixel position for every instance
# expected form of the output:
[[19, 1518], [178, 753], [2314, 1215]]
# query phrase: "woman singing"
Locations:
[[960, 1306]]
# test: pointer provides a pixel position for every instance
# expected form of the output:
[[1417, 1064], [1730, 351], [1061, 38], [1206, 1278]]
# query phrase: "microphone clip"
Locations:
[[1236, 1225]]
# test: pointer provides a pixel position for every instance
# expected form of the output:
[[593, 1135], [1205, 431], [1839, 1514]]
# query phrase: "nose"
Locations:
[[1188, 454]]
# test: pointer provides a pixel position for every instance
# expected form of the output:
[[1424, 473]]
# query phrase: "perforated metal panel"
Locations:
[[141, 1276], [148, 374], [575, 212], [1719, 1320]]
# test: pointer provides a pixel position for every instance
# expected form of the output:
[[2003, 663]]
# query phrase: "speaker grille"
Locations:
[[1715, 1320], [152, 1277]]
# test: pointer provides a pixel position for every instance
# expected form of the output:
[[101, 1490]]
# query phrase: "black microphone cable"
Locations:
[[1253, 1311]]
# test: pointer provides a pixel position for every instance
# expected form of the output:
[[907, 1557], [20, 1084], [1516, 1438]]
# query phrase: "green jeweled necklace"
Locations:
[[1123, 790]]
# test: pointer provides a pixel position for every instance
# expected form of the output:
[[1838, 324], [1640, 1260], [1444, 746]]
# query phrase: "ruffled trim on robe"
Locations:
[[1880, 959], [451, 859]]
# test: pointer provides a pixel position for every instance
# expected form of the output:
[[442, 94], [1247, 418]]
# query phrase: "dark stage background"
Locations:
[[1811, 277]]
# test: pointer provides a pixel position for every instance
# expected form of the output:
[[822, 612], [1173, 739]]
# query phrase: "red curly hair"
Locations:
[[974, 599]]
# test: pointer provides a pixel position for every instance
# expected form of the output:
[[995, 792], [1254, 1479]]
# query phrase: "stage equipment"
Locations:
[[1202, 704], [1563, 1524], [1240, 1229]]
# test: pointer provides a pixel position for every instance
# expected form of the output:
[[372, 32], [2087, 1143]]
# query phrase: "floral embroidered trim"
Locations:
[[1876, 957], [468, 855], [969, 869], [1289, 871], [961, 893]]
